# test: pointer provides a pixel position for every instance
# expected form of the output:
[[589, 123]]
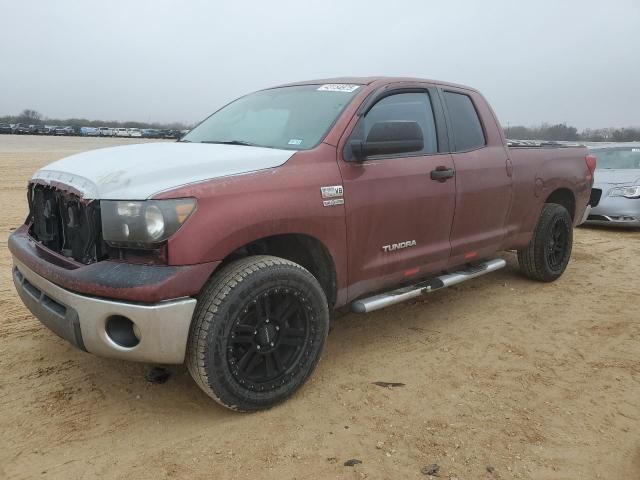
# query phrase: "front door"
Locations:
[[398, 218]]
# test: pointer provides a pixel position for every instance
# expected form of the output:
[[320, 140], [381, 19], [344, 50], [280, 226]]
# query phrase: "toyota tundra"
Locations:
[[227, 250]]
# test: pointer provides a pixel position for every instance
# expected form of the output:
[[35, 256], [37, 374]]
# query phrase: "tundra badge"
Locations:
[[398, 246]]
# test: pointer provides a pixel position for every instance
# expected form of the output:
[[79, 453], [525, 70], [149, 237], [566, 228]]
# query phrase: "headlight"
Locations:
[[145, 223], [628, 192], [155, 222]]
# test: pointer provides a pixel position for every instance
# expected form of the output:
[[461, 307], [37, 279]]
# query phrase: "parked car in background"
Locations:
[[50, 129], [121, 132], [37, 129], [135, 132], [5, 128], [105, 131], [89, 132], [20, 129], [171, 134], [68, 131], [150, 133], [615, 197]]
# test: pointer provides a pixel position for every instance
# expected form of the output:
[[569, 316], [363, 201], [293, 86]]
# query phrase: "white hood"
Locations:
[[137, 172]]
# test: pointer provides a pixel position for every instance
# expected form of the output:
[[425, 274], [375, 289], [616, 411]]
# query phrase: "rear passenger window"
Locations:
[[465, 124], [415, 107]]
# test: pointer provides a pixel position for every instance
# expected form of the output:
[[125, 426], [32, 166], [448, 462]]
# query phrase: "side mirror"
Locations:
[[389, 138]]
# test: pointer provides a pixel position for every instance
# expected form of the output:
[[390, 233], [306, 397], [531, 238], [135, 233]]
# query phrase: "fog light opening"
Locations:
[[136, 332], [122, 331]]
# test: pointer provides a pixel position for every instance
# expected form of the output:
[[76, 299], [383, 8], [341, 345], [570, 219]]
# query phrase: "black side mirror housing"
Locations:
[[389, 138]]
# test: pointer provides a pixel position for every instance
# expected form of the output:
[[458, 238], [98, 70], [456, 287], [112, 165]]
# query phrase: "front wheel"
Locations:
[[547, 255], [257, 332]]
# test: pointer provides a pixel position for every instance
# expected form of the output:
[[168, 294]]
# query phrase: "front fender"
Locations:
[[235, 211]]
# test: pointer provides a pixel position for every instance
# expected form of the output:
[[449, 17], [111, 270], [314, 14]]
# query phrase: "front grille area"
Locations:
[[66, 224]]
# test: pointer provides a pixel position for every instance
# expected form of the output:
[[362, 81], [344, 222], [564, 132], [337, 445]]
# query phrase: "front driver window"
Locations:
[[415, 107]]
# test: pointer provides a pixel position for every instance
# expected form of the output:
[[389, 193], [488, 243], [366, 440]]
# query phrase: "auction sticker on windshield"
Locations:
[[338, 87]]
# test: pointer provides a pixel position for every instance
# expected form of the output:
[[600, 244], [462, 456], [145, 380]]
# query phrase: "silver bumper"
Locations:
[[615, 211], [161, 333], [614, 221]]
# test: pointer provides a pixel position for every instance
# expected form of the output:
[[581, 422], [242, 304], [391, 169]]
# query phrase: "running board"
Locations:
[[383, 300]]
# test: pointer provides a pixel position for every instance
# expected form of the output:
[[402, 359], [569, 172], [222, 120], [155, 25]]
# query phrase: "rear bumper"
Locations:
[[162, 328]]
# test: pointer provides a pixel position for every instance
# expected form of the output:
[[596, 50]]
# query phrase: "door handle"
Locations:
[[442, 174]]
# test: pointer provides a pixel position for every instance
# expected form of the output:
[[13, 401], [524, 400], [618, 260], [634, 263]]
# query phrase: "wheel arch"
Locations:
[[303, 249], [564, 197]]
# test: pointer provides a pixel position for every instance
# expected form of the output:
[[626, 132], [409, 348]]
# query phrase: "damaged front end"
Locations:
[[65, 223]]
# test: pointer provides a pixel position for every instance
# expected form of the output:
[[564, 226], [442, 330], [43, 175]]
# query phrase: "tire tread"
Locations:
[[531, 258], [219, 287]]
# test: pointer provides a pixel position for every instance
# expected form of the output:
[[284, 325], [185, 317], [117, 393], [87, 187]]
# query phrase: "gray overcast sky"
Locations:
[[556, 61]]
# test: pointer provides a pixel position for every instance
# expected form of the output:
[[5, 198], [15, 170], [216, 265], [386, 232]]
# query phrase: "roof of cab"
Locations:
[[373, 80]]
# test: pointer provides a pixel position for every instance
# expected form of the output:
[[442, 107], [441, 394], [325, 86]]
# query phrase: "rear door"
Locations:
[[483, 176], [398, 217]]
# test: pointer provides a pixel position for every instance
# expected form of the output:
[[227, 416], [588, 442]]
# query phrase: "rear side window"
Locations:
[[415, 107], [465, 124]]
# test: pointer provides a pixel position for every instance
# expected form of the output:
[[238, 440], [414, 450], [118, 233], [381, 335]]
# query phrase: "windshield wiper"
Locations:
[[231, 142]]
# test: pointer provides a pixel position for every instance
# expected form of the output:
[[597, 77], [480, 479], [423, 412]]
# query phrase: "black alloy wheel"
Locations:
[[557, 248], [546, 257], [257, 332], [266, 342]]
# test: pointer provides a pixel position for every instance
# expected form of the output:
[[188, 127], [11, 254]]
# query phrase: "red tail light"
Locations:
[[591, 162]]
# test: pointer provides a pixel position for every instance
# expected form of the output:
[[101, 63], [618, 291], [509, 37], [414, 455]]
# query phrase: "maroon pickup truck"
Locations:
[[228, 248]]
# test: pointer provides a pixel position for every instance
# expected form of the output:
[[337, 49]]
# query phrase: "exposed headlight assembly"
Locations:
[[628, 192], [143, 224]]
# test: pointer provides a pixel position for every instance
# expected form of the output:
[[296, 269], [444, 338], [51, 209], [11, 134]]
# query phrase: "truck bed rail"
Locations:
[[511, 143]]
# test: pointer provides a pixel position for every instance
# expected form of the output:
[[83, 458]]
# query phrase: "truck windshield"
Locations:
[[293, 118], [618, 158]]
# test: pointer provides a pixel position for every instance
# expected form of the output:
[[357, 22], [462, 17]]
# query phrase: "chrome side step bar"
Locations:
[[366, 305]]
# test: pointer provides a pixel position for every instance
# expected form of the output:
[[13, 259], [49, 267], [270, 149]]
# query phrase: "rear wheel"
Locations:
[[257, 333], [547, 255]]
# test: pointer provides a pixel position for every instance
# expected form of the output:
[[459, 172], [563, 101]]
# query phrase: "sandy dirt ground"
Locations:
[[505, 378]]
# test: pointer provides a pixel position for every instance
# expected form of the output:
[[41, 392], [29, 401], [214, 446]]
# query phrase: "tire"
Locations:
[[257, 332], [547, 255]]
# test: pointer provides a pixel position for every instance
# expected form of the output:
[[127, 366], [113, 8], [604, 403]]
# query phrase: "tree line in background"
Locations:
[[562, 132], [558, 132], [32, 117]]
